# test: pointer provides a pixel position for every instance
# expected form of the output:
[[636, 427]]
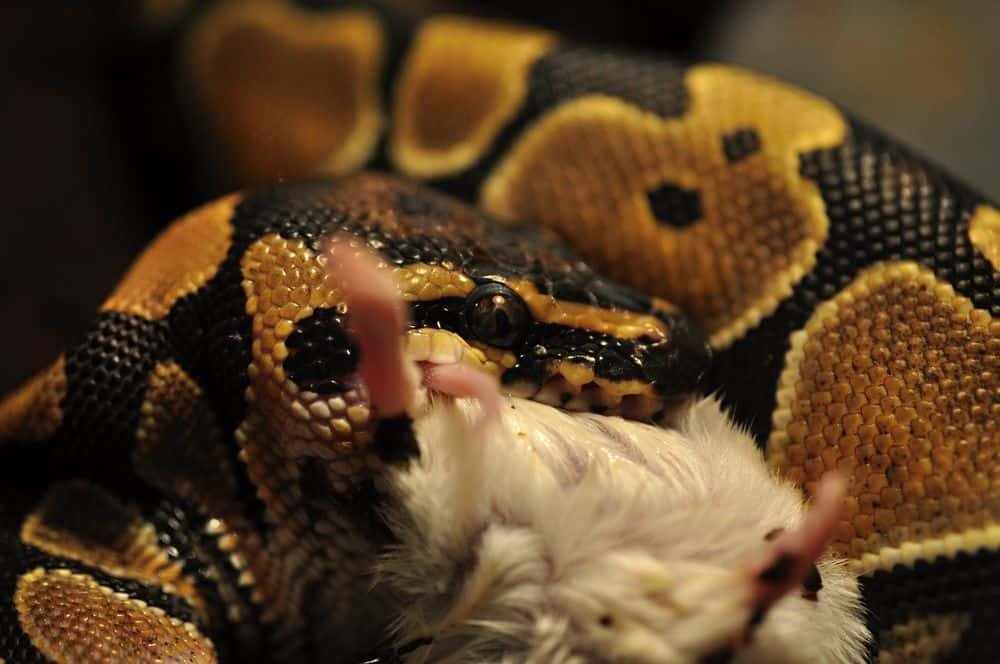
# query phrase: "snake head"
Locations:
[[513, 301]]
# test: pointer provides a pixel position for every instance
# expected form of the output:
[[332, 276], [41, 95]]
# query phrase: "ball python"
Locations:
[[847, 287]]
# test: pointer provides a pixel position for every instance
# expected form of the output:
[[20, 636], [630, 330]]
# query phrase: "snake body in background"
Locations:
[[848, 288]]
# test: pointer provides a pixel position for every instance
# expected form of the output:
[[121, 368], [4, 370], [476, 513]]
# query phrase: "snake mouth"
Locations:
[[631, 399], [569, 385]]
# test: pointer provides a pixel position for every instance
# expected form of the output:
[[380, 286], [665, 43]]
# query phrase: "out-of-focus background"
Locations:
[[97, 155]]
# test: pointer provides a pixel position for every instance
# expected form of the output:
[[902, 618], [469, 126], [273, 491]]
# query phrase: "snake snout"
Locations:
[[680, 365]]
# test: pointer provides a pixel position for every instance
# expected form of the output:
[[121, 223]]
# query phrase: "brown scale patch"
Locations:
[[34, 411], [423, 282], [585, 169], [614, 322], [925, 639], [894, 382], [289, 92], [301, 450], [81, 522], [463, 81], [180, 450], [984, 231], [180, 447], [179, 261], [284, 282], [70, 618]]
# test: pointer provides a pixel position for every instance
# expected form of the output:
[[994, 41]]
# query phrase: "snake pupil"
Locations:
[[496, 315]]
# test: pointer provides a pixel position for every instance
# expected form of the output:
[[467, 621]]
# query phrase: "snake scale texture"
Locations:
[[193, 478]]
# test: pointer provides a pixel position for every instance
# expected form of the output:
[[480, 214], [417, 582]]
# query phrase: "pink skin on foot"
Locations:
[[378, 317], [792, 554], [461, 381]]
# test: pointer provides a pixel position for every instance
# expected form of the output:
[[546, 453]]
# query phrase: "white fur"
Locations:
[[515, 547]]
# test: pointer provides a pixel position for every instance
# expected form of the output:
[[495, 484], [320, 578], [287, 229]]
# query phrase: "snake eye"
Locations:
[[496, 315]]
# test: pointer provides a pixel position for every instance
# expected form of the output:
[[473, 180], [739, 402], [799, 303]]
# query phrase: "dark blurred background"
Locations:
[[97, 155]]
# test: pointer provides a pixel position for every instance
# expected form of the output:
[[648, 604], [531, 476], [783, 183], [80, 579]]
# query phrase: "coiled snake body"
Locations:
[[172, 477]]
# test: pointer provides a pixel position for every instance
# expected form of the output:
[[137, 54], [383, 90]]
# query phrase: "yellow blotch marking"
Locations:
[[180, 448], [424, 282], [70, 618], [613, 322], [922, 639], [462, 82], [284, 282], [895, 382], [984, 231], [286, 426], [586, 167], [132, 551], [179, 261], [289, 92], [34, 411]]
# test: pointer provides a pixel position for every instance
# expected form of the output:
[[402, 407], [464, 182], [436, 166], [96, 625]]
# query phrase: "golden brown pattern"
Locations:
[[284, 282], [289, 93], [70, 618], [34, 411], [925, 639], [446, 116], [292, 437], [81, 522], [178, 262], [586, 167], [617, 323], [984, 231], [180, 449], [425, 281], [895, 383]]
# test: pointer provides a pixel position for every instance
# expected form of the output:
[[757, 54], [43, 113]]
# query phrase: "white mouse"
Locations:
[[529, 534]]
